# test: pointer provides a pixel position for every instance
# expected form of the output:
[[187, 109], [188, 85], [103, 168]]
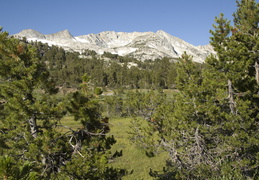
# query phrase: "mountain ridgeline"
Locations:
[[139, 45]]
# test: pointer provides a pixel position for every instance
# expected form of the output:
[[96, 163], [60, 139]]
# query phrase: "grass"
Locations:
[[69, 122], [133, 159]]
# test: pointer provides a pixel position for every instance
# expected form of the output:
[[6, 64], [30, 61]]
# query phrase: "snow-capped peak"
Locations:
[[141, 45]]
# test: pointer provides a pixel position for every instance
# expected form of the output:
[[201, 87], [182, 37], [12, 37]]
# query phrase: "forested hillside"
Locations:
[[107, 70]]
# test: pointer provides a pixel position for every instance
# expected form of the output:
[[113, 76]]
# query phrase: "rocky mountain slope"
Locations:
[[141, 45]]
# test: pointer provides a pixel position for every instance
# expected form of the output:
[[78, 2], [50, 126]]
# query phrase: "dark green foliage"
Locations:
[[210, 127], [33, 146], [107, 70], [29, 111], [189, 75], [90, 143], [11, 169], [98, 91]]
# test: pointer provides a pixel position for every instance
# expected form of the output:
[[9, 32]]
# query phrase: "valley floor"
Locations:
[[133, 159]]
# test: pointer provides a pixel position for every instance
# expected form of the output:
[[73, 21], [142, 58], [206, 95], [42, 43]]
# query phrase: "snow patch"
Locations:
[[45, 41], [82, 40], [142, 45], [124, 51]]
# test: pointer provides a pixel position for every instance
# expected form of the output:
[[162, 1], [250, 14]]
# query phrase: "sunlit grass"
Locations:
[[68, 122], [133, 159]]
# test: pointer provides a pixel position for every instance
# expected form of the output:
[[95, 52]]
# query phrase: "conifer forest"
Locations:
[[58, 109]]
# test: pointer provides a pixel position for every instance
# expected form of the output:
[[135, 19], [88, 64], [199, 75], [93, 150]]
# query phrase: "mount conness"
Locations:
[[141, 45]]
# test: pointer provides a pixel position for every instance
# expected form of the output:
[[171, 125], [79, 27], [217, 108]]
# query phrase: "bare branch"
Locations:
[[231, 98]]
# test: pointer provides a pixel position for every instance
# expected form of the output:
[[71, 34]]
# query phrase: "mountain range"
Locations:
[[140, 45]]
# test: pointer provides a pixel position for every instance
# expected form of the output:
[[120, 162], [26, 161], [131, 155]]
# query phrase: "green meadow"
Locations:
[[133, 158]]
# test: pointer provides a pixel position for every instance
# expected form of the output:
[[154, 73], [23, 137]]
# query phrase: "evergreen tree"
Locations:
[[210, 128], [29, 112], [237, 63], [32, 145], [90, 144]]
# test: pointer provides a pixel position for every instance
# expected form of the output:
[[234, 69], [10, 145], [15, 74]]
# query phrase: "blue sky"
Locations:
[[189, 20]]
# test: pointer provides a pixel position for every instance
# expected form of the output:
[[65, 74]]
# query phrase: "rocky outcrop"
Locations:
[[30, 33], [141, 45], [62, 35]]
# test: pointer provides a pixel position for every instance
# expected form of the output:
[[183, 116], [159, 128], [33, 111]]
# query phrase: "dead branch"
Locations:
[[232, 103]]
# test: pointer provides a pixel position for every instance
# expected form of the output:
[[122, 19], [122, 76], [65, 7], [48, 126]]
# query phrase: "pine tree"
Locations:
[[29, 112], [237, 62], [90, 144], [32, 144], [210, 128]]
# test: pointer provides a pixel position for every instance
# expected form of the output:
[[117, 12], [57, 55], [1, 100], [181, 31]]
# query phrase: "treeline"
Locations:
[[107, 70]]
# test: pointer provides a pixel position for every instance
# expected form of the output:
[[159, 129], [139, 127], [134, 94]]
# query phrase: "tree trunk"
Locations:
[[257, 72], [33, 126], [231, 97]]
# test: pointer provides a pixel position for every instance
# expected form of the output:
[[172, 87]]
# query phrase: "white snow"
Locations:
[[125, 51], [145, 45], [46, 41], [82, 40]]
